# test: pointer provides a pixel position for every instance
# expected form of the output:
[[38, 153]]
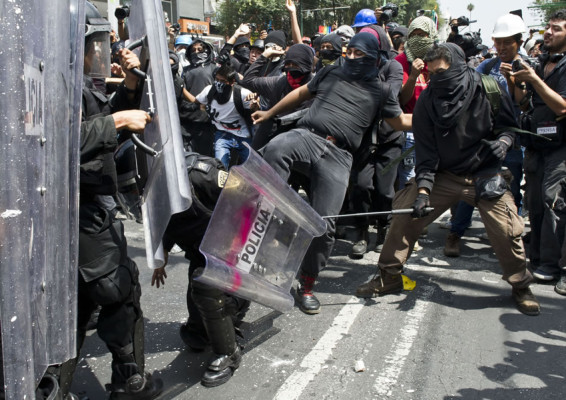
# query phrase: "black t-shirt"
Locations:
[[344, 108]]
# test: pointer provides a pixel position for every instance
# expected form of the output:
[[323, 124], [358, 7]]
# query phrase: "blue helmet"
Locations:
[[364, 17], [183, 40]]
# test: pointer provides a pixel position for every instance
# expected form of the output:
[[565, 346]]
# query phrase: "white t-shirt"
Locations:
[[225, 116]]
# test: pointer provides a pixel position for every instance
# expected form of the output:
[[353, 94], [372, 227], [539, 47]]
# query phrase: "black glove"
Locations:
[[420, 206], [497, 147]]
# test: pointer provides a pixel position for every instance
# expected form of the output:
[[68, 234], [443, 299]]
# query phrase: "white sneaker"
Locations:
[[446, 225]]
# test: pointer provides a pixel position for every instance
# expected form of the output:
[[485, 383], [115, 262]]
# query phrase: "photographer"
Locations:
[[545, 165]]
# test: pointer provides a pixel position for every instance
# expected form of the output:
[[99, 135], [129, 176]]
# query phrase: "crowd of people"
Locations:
[[383, 117]]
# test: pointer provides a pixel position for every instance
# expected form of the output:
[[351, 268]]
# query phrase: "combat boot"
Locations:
[[526, 301], [221, 368], [452, 246], [361, 246], [130, 384], [308, 303], [380, 285]]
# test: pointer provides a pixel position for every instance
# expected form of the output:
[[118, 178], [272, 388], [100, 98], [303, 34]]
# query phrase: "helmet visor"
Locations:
[[97, 55]]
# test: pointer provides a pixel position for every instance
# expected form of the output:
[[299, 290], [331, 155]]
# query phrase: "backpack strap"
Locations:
[[243, 111], [493, 92]]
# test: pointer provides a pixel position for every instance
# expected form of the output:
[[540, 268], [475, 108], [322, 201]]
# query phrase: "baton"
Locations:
[[368, 214]]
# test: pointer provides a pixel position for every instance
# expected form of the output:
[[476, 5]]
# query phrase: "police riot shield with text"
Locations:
[[39, 189], [167, 189], [258, 235]]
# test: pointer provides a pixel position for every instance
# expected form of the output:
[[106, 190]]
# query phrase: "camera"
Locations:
[[517, 65], [253, 27], [389, 11], [122, 12], [470, 42], [176, 27]]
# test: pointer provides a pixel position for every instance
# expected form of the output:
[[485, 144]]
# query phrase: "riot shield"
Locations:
[[258, 235], [167, 190], [39, 190]]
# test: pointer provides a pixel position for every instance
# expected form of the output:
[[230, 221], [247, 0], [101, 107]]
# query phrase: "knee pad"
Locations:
[[115, 287]]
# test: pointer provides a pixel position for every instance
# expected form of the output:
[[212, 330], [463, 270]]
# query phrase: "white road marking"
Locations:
[[395, 360], [311, 365]]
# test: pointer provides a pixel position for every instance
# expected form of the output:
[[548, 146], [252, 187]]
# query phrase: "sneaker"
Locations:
[[560, 287], [546, 273], [526, 301], [308, 303], [382, 284], [452, 246], [361, 246], [446, 225]]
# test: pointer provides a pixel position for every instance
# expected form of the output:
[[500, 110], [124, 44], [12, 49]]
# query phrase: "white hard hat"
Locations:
[[508, 25]]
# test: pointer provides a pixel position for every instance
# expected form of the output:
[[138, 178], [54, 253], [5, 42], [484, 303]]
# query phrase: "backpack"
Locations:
[[245, 113]]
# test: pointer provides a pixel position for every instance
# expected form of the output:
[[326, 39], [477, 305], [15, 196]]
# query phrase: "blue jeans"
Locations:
[[224, 142], [406, 168]]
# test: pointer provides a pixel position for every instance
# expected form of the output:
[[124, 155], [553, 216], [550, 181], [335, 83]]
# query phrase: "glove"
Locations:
[[497, 147], [419, 206]]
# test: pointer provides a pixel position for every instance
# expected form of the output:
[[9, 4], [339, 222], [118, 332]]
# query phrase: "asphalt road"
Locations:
[[457, 335]]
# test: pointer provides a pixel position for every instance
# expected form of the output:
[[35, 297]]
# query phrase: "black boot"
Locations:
[[221, 368], [129, 383], [216, 318], [308, 303]]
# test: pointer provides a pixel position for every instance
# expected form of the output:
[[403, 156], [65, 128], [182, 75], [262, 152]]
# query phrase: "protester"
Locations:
[[421, 36], [507, 37], [459, 156], [226, 105], [347, 101]]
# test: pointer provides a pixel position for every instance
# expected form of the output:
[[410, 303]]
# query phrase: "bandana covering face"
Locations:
[[452, 90], [223, 92], [363, 68], [242, 54], [198, 58], [417, 47]]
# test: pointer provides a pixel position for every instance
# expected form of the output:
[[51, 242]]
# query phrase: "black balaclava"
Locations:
[[363, 68], [453, 90], [277, 37], [198, 59], [303, 56], [242, 53], [336, 42]]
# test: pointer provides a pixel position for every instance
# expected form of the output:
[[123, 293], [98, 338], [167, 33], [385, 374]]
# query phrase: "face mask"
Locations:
[[220, 86], [198, 58], [329, 54], [360, 68], [243, 54], [223, 92], [294, 79], [418, 46]]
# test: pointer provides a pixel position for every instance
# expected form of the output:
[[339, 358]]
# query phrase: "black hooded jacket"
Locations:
[[196, 79], [451, 117]]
